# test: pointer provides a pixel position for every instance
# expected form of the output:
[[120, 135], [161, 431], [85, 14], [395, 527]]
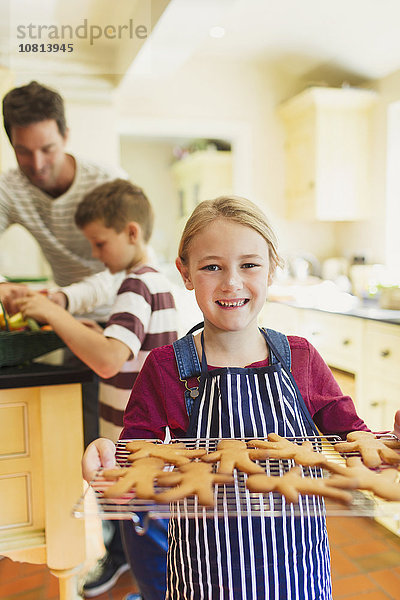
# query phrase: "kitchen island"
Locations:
[[41, 445]]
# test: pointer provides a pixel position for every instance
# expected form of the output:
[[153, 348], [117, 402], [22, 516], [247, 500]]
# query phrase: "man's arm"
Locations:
[[105, 356]]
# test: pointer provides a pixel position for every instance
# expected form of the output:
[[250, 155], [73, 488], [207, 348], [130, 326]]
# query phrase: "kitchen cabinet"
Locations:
[[202, 175], [364, 356], [380, 385], [41, 446], [327, 151], [337, 338]]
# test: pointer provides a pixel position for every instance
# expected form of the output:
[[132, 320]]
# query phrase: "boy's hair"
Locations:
[[116, 203], [33, 103], [236, 209]]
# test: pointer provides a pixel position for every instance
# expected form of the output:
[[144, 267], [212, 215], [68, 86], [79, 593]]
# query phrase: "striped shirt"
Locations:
[[143, 317], [51, 220]]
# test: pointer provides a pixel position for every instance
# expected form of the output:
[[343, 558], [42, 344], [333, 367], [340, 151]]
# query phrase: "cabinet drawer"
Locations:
[[281, 317], [338, 339], [382, 350], [379, 402]]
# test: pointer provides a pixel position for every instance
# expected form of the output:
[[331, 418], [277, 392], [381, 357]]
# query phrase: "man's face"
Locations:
[[39, 150]]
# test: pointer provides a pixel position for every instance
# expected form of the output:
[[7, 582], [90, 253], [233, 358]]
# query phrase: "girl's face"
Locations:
[[228, 268]]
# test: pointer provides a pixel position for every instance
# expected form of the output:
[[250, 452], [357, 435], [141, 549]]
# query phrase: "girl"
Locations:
[[234, 379]]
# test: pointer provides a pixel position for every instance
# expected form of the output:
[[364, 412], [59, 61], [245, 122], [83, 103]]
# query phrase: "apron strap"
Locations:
[[276, 335], [281, 343], [188, 365]]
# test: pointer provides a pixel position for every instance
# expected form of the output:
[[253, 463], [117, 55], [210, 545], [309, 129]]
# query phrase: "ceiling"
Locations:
[[342, 40], [354, 40]]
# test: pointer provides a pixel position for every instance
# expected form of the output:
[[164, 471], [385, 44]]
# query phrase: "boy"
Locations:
[[117, 219]]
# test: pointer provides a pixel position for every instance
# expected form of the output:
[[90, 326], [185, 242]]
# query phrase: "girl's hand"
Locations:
[[99, 453], [396, 430]]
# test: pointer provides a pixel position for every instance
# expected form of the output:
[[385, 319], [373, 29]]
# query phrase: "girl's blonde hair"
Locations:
[[236, 209]]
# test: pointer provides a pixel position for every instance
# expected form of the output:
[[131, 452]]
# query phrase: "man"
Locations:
[[42, 194]]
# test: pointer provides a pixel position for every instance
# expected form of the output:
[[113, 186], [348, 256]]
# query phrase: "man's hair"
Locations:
[[32, 103], [116, 203]]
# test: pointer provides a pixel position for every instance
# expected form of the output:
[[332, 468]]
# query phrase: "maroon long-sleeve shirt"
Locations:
[[157, 398]]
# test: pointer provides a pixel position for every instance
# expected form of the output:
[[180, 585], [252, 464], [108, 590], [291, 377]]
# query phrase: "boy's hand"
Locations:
[[37, 306], [99, 453]]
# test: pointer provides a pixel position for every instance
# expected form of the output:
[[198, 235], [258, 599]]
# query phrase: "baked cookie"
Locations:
[[280, 447], [139, 476], [174, 454], [292, 483], [234, 454], [385, 484], [374, 452], [195, 478]]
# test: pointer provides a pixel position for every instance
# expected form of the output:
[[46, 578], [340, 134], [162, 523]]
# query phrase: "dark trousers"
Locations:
[[147, 556]]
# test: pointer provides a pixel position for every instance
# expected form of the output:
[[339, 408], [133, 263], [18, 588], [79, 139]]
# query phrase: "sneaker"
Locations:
[[103, 576]]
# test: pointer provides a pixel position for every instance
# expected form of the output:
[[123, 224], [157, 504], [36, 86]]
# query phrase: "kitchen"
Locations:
[[230, 89]]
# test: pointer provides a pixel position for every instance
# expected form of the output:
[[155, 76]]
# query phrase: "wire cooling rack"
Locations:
[[234, 499]]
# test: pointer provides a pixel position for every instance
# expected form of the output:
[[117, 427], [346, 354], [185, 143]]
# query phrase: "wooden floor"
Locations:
[[365, 566]]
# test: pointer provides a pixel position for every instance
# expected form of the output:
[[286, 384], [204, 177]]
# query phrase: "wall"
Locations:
[[238, 96], [147, 163]]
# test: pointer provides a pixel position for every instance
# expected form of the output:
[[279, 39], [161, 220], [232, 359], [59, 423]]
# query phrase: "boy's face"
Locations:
[[115, 250]]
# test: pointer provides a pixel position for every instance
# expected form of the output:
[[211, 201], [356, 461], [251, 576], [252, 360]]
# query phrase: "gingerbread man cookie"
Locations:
[[194, 478], [385, 484], [280, 447], [174, 454], [233, 454], [374, 452], [291, 484], [140, 476]]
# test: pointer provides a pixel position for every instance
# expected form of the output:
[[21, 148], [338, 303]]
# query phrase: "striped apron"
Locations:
[[244, 557]]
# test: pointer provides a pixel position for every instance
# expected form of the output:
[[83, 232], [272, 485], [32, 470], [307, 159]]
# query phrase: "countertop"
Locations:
[[39, 374], [363, 311]]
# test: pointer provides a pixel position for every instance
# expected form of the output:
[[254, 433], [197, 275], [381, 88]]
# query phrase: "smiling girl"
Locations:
[[234, 379]]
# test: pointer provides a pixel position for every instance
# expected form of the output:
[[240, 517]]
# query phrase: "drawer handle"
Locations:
[[376, 403], [346, 342], [385, 353]]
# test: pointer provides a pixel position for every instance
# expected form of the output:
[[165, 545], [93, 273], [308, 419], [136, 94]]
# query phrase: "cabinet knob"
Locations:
[[385, 353], [346, 342]]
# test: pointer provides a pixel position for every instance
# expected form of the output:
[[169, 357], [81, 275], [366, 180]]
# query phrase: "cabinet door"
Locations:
[[382, 351], [380, 400], [337, 338], [300, 167], [281, 317], [327, 148]]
